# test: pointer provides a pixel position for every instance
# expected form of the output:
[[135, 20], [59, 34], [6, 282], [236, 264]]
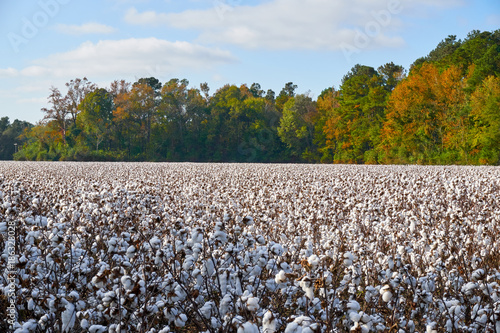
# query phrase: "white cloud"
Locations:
[[124, 58], [294, 24], [8, 72], [33, 100], [86, 28], [132, 16]]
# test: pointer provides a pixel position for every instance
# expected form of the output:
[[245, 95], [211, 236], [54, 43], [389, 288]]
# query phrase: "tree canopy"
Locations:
[[444, 110]]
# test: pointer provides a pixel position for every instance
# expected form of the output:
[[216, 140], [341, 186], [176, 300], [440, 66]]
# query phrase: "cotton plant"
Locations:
[[252, 248]]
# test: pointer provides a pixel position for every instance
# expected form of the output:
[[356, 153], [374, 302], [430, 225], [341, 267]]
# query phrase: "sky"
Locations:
[[312, 43]]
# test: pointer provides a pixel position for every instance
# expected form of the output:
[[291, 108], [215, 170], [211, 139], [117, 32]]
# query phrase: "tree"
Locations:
[[77, 90], [353, 128], [285, 94], [96, 115], [296, 127], [485, 113], [58, 112], [421, 115], [11, 136], [391, 75], [256, 90]]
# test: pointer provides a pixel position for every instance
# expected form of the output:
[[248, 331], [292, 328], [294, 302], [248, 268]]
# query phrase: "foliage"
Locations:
[[443, 111]]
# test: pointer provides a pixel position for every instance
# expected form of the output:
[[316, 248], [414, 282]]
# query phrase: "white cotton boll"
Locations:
[[248, 327], [387, 296], [469, 288], [277, 249], [220, 236], [208, 269], [353, 306], [180, 320], [449, 326], [206, 310], [280, 277], [188, 263], [260, 239], [31, 304], [28, 326], [313, 261], [127, 282], [97, 329], [268, 322], [430, 328], [165, 329], [478, 275], [307, 286], [293, 327], [224, 304], [131, 251], [354, 316], [197, 235], [386, 293], [412, 226], [348, 258], [253, 304], [68, 317], [411, 326], [84, 323]]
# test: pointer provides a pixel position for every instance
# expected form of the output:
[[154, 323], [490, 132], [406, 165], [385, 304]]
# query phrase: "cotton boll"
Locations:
[[208, 268], [277, 249], [248, 327], [293, 327], [127, 282], [478, 275], [131, 251], [31, 304], [354, 316], [430, 328], [97, 329], [68, 317], [386, 293], [224, 304], [253, 304], [84, 324], [313, 261], [206, 310], [180, 320], [353, 305], [348, 258], [307, 286], [280, 277], [268, 322]]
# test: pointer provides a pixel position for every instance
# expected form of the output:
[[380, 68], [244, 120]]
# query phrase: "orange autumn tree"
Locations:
[[424, 118]]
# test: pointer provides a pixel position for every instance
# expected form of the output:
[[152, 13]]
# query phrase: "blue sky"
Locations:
[[312, 43]]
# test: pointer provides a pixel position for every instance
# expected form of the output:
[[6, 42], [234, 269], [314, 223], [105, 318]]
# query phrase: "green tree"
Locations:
[[353, 128], [11, 137], [485, 113], [296, 128], [95, 117]]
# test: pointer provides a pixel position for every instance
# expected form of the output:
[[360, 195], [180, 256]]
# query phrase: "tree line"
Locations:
[[444, 110]]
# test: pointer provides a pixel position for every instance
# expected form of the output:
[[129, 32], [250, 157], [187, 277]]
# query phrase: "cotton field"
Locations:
[[247, 248]]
